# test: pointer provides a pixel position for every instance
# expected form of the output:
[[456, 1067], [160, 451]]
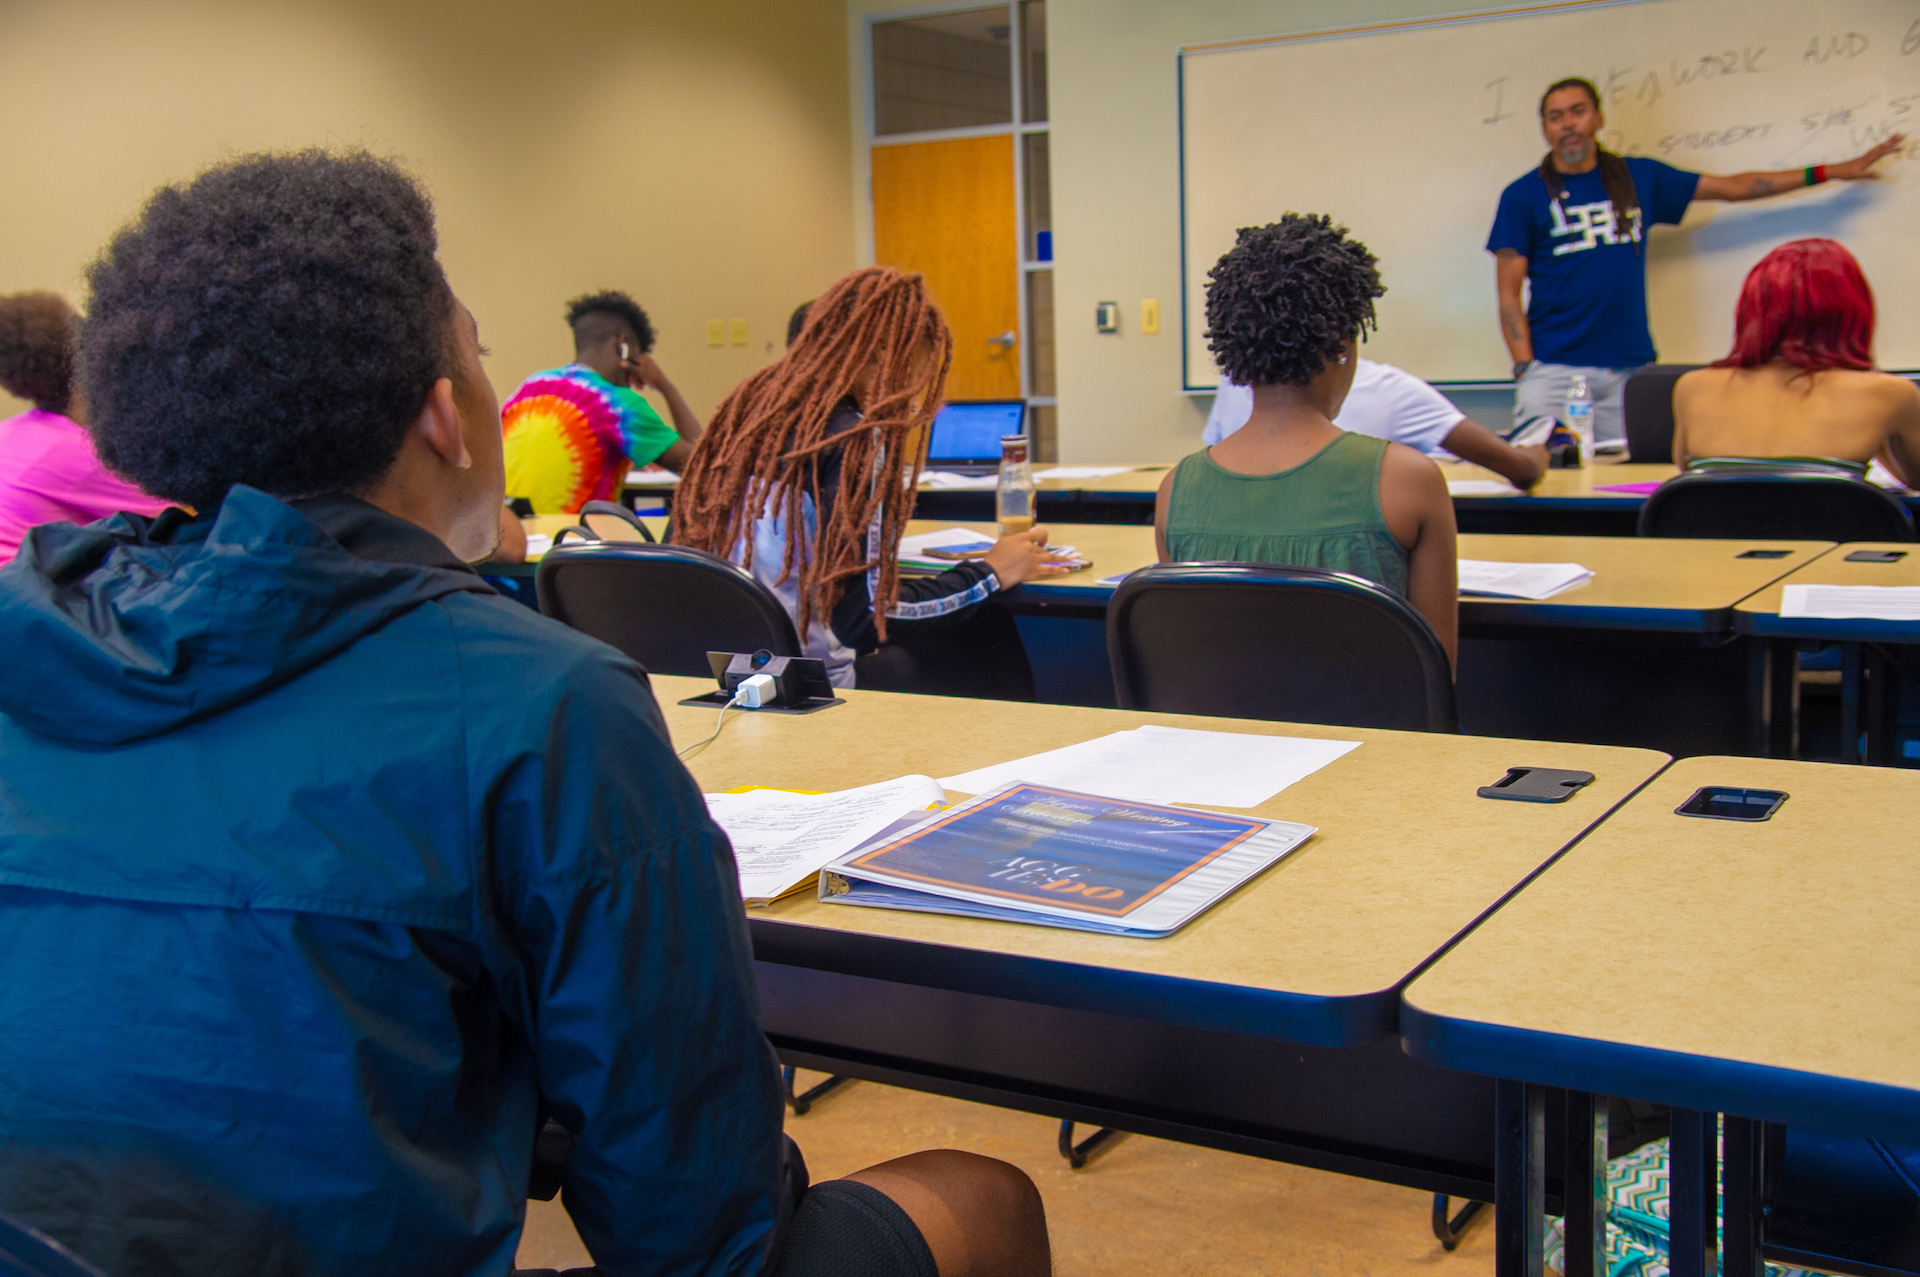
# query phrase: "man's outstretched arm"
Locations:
[[1759, 185]]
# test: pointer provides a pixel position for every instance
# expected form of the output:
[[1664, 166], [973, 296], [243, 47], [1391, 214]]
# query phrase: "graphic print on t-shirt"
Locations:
[[1595, 224]]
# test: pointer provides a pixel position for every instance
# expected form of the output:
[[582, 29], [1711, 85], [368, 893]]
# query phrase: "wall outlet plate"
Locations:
[[1150, 315], [1106, 317]]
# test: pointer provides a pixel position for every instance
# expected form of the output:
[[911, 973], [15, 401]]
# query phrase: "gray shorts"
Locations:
[[1542, 392]]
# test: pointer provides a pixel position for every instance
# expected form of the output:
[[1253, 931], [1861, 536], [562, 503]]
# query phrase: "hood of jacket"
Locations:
[[132, 627]]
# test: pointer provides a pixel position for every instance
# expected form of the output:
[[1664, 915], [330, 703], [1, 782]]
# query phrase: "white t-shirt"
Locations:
[[1384, 402]]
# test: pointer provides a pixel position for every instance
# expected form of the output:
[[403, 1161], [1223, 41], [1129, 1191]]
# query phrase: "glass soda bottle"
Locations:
[[1580, 415], [1014, 503]]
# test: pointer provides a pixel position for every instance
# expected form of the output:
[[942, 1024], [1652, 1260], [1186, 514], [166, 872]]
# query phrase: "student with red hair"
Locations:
[[1800, 381]]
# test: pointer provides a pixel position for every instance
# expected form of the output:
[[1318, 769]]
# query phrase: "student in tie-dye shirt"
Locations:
[[572, 433]]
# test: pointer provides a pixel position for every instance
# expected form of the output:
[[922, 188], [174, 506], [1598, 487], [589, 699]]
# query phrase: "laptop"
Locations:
[[966, 434]]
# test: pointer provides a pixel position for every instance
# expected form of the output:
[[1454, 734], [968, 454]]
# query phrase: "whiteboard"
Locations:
[[1407, 133]]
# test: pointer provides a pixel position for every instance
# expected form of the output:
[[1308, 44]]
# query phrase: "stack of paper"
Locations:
[[1519, 580], [1167, 765], [1853, 602], [782, 839], [1080, 472], [1481, 488], [1038, 854], [652, 477], [948, 481], [538, 543]]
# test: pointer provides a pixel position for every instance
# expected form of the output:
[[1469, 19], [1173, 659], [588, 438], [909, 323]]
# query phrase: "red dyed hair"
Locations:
[[1806, 304]]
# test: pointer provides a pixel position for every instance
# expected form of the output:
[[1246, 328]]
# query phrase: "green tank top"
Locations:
[[1324, 513]]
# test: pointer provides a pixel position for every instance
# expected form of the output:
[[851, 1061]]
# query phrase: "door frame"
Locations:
[[860, 35]]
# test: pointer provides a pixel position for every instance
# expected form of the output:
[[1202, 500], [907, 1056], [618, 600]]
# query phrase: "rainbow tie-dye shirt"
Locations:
[[571, 435]]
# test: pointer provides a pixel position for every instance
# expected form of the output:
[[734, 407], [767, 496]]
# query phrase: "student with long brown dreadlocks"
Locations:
[[806, 475]]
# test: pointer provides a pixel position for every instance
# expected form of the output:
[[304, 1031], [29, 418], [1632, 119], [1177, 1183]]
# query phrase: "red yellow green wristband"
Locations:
[[1816, 174]]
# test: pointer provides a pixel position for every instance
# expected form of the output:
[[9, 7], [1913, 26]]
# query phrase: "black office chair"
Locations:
[[1646, 407], [611, 521], [1784, 502], [666, 606], [1245, 640], [25, 1252]]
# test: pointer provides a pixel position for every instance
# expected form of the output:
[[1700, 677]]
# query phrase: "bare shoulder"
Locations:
[[1701, 381], [1412, 469]]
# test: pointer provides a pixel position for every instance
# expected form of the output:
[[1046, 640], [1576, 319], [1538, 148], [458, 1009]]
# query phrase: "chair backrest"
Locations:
[[1247, 640], [1646, 404], [611, 521], [27, 1253], [1787, 503], [666, 606]]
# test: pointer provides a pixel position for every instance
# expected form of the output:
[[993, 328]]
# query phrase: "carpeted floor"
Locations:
[[1142, 1206]]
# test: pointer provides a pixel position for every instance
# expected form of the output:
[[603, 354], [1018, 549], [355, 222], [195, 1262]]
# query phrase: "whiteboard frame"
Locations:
[[1187, 319]]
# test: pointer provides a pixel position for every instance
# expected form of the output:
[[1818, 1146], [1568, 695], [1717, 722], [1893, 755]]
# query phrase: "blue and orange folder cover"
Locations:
[[1033, 853]]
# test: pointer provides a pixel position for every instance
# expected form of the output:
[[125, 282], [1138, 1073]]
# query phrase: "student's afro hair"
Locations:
[[276, 321], [1287, 299], [36, 349], [618, 305]]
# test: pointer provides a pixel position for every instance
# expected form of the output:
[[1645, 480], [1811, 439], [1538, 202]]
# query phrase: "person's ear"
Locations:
[[438, 425]]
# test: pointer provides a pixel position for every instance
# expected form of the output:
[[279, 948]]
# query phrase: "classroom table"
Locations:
[[1569, 502], [1768, 970], [1641, 654], [1266, 1026], [1866, 669], [1122, 498]]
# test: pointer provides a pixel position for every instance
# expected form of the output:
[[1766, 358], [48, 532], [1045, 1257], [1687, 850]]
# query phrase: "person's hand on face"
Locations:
[[1022, 557], [642, 373]]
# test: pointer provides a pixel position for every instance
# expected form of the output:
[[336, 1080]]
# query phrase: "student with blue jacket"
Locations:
[[326, 873]]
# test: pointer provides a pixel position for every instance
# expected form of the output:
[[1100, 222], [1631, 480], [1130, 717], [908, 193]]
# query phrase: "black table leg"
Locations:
[[1850, 702], [1694, 1199], [1586, 1186], [1741, 1197], [1876, 716], [1773, 698], [1519, 1179]]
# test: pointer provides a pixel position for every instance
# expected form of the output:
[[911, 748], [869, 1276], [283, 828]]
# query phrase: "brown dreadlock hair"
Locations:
[[768, 438], [1613, 170]]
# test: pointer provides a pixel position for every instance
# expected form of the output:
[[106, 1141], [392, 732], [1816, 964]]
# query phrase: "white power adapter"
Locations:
[[754, 692]]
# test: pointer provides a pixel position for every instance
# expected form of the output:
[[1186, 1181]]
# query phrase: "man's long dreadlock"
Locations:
[[1614, 175], [767, 441]]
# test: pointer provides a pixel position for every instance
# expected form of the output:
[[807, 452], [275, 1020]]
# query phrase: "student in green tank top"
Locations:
[[1285, 311]]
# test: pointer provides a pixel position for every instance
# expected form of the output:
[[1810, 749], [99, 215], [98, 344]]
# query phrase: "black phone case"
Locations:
[[1536, 785]]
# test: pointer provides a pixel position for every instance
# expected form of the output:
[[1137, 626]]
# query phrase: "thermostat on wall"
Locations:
[[1106, 317]]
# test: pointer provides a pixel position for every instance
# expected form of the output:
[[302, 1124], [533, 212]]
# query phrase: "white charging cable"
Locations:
[[751, 694]]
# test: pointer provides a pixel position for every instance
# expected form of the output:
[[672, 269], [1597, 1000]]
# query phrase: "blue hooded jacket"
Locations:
[[324, 871]]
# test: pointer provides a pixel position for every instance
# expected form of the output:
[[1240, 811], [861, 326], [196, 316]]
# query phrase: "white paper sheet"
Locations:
[[1080, 472], [1481, 488], [1167, 765], [1853, 602], [655, 478], [538, 543], [1879, 474], [948, 481], [781, 839], [1519, 580]]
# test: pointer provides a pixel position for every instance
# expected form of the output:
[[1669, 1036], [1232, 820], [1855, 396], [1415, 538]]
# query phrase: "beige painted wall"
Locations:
[[692, 152], [1116, 201]]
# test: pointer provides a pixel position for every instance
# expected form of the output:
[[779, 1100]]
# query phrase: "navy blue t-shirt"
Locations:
[[1587, 283]]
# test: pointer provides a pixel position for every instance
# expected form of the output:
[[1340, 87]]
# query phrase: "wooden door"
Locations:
[[946, 209]]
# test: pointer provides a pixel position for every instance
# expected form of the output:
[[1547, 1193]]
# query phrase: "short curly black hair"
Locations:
[[1287, 299], [618, 305], [36, 349], [276, 321]]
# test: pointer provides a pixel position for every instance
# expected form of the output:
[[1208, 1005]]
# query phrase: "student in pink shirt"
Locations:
[[48, 470]]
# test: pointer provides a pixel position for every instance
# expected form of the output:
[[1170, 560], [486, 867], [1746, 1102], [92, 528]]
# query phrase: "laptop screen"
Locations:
[[970, 432]]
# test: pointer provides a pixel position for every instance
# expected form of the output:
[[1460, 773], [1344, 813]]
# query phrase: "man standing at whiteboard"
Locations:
[[1572, 230]]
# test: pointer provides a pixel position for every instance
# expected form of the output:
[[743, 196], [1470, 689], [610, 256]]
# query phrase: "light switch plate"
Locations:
[[716, 332], [1150, 315], [739, 332], [1106, 317]]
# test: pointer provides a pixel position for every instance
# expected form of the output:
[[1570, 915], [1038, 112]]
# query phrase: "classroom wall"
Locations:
[[1116, 204], [692, 152]]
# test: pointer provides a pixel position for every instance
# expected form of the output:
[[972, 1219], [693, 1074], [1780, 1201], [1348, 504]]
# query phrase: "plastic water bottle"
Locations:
[[1014, 506], [1580, 415]]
